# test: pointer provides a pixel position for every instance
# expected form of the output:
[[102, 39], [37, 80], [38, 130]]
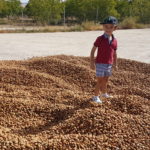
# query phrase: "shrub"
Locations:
[[128, 23]]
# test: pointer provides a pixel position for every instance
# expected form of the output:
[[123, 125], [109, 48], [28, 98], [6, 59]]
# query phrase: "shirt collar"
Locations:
[[107, 36]]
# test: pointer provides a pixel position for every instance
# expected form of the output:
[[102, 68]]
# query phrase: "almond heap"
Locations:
[[45, 103]]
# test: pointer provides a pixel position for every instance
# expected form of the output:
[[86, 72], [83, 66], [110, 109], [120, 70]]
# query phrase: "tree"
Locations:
[[10, 8], [14, 7], [90, 9], [3, 8], [139, 9], [45, 11], [142, 10], [107, 8]]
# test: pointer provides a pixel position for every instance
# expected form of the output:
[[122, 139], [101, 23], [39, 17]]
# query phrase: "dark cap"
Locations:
[[110, 20]]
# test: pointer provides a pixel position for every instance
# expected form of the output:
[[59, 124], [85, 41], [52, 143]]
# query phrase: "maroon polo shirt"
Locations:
[[105, 53]]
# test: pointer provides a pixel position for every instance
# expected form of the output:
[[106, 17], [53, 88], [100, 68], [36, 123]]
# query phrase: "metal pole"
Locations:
[[22, 18], [96, 14], [64, 15]]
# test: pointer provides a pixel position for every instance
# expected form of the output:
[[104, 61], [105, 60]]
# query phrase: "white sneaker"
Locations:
[[106, 95], [97, 99]]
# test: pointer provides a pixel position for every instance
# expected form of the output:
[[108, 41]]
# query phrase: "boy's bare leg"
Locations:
[[98, 86], [104, 85], [97, 90], [104, 88]]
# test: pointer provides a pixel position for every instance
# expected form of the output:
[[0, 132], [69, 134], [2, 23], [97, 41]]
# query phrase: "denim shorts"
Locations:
[[103, 70]]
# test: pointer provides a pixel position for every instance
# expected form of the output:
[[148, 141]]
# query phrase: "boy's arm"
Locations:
[[115, 60], [92, 60]]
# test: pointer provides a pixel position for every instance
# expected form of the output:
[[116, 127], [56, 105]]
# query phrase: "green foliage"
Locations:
[[52, 11], [3, 8], [91, 10], [135, 8], [45, 11], [97, 10], [10, 8], [142, 10], [14, 7]]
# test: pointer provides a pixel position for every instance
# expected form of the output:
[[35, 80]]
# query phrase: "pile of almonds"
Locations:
[[45, 103]]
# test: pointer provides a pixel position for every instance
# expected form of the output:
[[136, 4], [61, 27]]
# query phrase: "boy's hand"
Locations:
[[115, 67], [92, 65]]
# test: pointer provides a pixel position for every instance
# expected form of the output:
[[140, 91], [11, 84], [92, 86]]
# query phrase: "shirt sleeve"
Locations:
[[96, 43]]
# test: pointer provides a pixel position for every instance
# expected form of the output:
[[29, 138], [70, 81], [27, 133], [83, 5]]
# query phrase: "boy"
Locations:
[[106, 57]]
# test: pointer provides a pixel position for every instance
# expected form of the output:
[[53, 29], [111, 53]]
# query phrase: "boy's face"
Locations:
[[109, 28]]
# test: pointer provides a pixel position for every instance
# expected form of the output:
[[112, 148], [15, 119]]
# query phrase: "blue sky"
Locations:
[[24, 1]]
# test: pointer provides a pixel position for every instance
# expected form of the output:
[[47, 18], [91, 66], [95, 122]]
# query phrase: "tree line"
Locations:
[[78, 11]]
